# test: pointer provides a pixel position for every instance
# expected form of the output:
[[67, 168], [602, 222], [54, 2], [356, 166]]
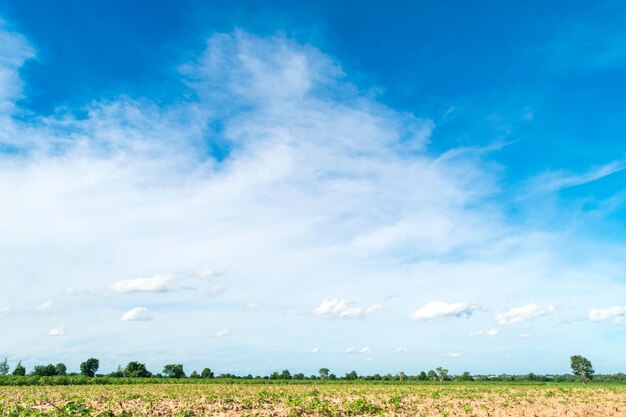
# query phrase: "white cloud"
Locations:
[[313, 176], [4, 311], [344, 309], [555, 181], [208, 274], [315, 350], [490, 332], [401, 350], [252, 307], [525, 335], [221, 333], [438, 309], [616, 314], [352, 349], [136, 314], [453, 354], [45, 306], [520, 314], [60, 331], [14, 50], [214, 291], [156, 283]]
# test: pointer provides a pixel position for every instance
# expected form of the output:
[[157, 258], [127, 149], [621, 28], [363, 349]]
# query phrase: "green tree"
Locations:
[[19, 369], [194, 374], [45, 370], [466, 376], [61, 369], [582, 368], [351, 376], [432, 375], [442, 373], [285, 374], [207, 373], [135, 369], [422, 376], [89, 367], [4, 367], [324, 372], [173, 371]]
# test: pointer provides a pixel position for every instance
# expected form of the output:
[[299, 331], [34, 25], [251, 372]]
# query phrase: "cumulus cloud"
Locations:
[[163, 283], [315, 350], [221, 333], [520, 314], [60, 331], [525, 335], [344, 309], [616, 314], [4, 311], [352, 349], [45, 306], [453, 354], [156, 283], [438, 309], [490, 332], [136, 314]]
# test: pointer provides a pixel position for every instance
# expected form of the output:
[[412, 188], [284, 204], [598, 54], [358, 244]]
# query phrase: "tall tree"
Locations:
[[90, 367], [581, 367], [19, 369], [4, 367], [207, 373], [442, 373], [324, 372], [61, 369]]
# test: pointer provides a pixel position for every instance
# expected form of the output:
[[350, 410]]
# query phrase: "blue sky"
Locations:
[[254, 186]]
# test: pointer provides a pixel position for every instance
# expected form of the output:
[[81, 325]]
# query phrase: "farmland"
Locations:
[[316, 399]]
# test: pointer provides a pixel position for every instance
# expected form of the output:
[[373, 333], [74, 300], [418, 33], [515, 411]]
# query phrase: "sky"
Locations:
[[257, 186]]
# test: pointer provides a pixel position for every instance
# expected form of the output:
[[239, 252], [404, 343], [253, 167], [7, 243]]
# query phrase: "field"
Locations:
[[316, 399]]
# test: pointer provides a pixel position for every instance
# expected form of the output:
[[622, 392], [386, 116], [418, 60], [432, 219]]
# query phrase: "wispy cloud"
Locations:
[[221, 333], [4, 311], [558, 180], [489, 332]]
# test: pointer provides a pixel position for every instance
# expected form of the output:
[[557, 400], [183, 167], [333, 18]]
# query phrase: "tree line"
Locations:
[[581, 368]]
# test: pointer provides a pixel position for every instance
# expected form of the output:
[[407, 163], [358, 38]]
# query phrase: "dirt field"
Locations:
[[357, 399]]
